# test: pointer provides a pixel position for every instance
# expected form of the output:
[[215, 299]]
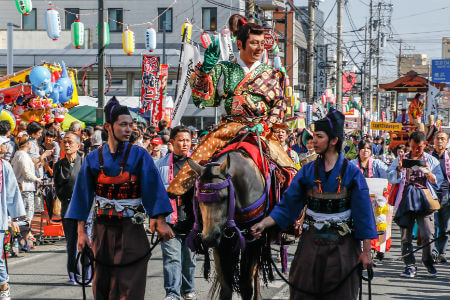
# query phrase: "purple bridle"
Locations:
[[207, 197]]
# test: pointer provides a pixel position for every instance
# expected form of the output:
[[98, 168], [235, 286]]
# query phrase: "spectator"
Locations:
[[376, 146], [34, 130], [156, 144], [5, 131], [282, 136], [88, 133], [163, 125], [151, 131], [178, 259], [134, 138], [66, 172], [166, 144], [11, 204], [403, 117], [75, 127], [50, 144], [416, 191], [22, 127], [25, 172], [400, 150], [299, 147]]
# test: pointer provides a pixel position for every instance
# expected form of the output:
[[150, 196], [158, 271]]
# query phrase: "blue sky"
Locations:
[[419, 24]]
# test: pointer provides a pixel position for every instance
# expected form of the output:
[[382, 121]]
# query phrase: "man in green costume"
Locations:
[[253, 95]]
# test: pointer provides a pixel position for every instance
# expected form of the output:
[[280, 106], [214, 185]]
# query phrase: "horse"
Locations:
[[232, 174]]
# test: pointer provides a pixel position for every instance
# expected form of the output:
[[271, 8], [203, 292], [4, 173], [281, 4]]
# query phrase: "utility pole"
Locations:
[[364, 67], [399, 73], [251, 11], [285, 38], [164, 41], [310, 91], [339, 57], [370, 58], [10, 52], [379, 24], [101, 64]]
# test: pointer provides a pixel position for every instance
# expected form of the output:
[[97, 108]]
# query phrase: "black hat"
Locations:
[[332, 124], [113, 110]]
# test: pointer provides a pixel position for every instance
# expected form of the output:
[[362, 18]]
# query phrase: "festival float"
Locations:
[[42, 93]]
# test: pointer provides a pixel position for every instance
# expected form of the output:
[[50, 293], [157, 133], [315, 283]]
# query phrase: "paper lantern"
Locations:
[[77, 29], [324, 99], [303, 107], [52, 24], [24, 6], [314, 109], [277, 62], [293, 100], [186, 32], [128, 41], [150, 39], [288, 92], [106, 38], [206, 40]]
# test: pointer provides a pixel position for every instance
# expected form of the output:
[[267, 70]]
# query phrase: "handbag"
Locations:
[[434, 203]]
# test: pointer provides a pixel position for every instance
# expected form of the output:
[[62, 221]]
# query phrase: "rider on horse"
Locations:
[[253, 94]]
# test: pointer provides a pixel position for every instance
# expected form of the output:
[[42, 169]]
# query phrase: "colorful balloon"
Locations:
[[63, 88], [40, 78]]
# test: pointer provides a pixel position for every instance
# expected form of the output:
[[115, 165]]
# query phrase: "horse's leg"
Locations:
[[249, 277], [221, 288], [256, 284]]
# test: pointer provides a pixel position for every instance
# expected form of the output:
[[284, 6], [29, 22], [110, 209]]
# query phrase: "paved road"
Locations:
[[41, 275]]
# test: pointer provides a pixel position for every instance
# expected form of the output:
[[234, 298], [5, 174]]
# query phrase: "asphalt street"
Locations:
[[41, 275]]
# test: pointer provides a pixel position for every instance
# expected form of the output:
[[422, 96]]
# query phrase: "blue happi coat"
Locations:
[[288, 210], [153, 194], [379, 168]]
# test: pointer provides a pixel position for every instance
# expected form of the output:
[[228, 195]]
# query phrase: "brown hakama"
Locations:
[[119, 242], [320, 268]]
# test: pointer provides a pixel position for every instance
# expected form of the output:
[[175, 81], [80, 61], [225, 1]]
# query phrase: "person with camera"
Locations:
[[178, 260], [123, 183], [443, 215], [420, 176]]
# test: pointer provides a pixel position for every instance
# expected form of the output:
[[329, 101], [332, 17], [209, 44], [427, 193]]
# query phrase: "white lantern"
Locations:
[[150, 39], [52, 24]]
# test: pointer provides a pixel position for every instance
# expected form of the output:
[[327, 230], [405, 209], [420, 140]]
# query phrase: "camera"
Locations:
[[409, 163]]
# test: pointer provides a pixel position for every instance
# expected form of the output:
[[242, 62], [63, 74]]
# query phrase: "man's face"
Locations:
[[70, 144], [254, 48], [156, 147], [417, 148], [320, 141], [282, 136], [49, 140], [441, 140], [122, 128], [181, 143]]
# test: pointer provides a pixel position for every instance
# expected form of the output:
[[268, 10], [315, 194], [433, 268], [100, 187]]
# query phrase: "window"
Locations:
[[117, 15], [71, 16], [165, 17], [209, 18], [29, 21]]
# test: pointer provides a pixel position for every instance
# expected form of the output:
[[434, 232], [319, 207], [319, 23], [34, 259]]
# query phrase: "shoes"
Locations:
[[170, 298], [71, 281], [190, 296], [410, 272], [440, 259], [432, 273], [5, 295], [380, 256]]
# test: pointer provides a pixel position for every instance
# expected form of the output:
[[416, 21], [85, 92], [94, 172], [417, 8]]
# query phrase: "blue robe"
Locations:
[[11, 202], [153, 194], [379, 168], [289, 208]]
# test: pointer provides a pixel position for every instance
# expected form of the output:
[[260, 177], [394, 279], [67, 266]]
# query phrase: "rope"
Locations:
[[356, 267], [423, 246], [86, 259]]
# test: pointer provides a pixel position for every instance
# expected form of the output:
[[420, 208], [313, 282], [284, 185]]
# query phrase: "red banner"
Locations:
[[149, 83], [348, 81], [157, 105]]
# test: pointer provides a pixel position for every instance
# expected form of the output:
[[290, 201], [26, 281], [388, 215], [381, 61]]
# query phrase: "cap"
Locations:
[[156, 141]]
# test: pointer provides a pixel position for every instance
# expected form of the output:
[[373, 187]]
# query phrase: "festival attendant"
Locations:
[[282, 136], [66, 171], [443, 214], [124, 183], [415, 109], [307, 140], [418, 185], [330, 245], [403, 117], [250, 90], [178, 260], [11, 204]]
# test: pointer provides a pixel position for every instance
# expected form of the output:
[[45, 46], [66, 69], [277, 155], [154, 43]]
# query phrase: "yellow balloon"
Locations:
[[8, 116]]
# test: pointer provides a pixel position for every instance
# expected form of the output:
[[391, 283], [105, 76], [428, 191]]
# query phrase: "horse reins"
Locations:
[[423, 246], [86, 259]]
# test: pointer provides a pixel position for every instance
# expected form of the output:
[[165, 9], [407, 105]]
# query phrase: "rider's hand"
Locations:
[[211, 57], [258, 127], [164, 231]]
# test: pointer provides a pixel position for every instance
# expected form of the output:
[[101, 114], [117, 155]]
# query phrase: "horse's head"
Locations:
[[214, 202]]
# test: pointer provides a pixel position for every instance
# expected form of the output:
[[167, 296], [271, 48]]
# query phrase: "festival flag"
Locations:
[[149, 82], [432, 101], [157, 105], [191, 56]]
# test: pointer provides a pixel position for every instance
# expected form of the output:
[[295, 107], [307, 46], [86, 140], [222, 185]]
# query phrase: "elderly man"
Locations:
[[420, 176]]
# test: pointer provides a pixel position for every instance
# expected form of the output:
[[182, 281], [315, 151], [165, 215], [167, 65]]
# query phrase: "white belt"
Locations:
[[320, 219], [119, 205]]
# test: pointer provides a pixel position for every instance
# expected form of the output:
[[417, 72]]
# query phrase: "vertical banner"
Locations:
[[392, 97], [157, 105], [191, 56], [432, 101], [149, 83], [320, 73]]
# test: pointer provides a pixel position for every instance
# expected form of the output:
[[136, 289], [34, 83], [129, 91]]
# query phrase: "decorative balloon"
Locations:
[[59, 113], [206, 40], [186, 32], [52, 24], [63, 88], [106, 38], [150, 39], [24, 6], [128, 41], [77, 29], [40, 78]]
